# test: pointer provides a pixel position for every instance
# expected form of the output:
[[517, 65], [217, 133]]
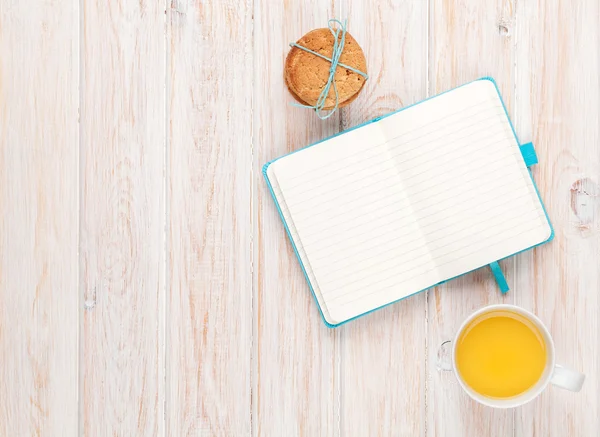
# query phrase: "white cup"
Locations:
[[553, 373]]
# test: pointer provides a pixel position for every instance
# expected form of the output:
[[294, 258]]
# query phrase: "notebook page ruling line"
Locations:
[[430, 200], [342, 223], [470, 94], [298, 244], [447, 253], [379, 297], [441, 109], [356, 188], [445, 107], [349, 223], [479, 92], [514, 160], [383, 145], [445, 245], [352, 300], [516, 178], [320, 157], [371, 242], [372, 248], [367, 168], [375, 151], [529, 234], [364, 171]]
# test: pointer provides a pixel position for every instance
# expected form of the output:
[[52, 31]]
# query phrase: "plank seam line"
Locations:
[[166, 228], [253, 229], [80, 283]]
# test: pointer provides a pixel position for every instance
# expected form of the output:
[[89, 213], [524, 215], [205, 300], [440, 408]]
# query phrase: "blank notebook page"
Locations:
[[422, 196]]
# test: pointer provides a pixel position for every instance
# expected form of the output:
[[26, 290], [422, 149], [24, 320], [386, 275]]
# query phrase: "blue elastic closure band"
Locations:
[[529, 154], [500, 279]]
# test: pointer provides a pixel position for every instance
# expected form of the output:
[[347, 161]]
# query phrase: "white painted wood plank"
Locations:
[[557, 70], [123, 217], [383, 353], [295, 392], [209, 328], [468, 40], [38, 218]]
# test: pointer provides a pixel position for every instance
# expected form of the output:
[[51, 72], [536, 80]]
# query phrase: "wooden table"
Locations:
[[146, 284]]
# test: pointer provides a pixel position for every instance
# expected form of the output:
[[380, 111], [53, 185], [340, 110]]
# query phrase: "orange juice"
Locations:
[[501, 354]]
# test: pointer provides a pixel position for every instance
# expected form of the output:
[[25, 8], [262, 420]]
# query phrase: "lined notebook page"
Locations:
[[297, 243], [355, 222], [468, 184], [424, 195]]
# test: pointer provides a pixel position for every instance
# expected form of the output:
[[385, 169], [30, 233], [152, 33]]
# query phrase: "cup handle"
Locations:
[[566, 378], [444, 356]]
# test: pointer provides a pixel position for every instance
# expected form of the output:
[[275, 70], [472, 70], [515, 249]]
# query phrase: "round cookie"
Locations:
[[306, 74]]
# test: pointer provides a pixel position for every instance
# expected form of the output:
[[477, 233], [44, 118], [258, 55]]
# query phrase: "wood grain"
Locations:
[[123, 218], [38, 219], [209, 327], [295, 392], [147, 287], [557, 70], [383, 354], [468, 40]]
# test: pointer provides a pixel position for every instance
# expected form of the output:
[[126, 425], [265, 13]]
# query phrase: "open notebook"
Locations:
[[408, 201]]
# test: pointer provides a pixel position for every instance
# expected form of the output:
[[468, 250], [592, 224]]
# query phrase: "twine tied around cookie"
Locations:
[[339, 38]]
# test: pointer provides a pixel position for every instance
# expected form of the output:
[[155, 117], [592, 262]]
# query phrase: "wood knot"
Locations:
[[88, 303], [504, 28], [585, 202]]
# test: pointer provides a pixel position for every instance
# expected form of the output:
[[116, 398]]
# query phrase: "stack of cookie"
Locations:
[[306, 75]]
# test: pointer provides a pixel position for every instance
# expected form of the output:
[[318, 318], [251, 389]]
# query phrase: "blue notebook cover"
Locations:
[[529, 157]]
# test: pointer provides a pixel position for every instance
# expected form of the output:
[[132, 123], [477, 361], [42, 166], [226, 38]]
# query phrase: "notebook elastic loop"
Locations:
[[500, 279], [529, 155]]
